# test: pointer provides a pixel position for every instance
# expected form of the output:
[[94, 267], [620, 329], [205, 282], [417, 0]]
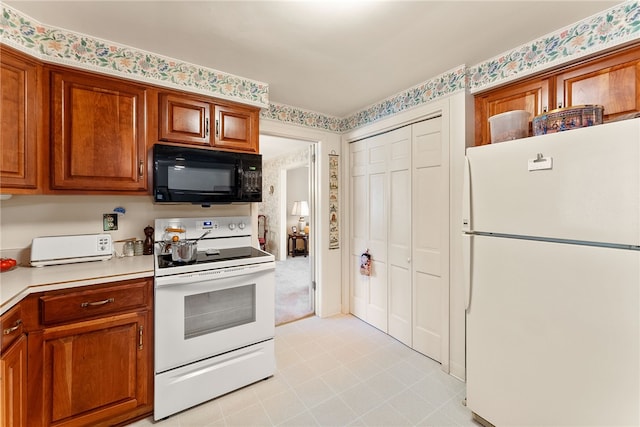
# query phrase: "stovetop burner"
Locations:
[[212, 256]]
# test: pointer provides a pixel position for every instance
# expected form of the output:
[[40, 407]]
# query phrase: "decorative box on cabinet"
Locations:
[[92, 355], [13, 370], [98, 133], [19, 139]]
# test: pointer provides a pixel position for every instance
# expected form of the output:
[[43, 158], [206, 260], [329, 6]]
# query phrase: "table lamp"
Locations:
[[300, 209]]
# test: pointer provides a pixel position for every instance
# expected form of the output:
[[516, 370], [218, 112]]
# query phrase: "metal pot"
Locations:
[[184, 251]]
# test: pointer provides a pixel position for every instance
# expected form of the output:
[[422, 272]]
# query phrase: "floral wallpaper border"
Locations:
[[62, 46], [615, 26], [612, 27]]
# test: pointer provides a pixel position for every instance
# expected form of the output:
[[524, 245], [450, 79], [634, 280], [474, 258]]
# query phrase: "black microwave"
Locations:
[[203, 176]]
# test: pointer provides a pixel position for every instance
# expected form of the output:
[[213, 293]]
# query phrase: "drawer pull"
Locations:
[[13, 328], [93, 304]]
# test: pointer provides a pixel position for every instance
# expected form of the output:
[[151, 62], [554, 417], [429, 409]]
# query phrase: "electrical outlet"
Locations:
[[110, 222]]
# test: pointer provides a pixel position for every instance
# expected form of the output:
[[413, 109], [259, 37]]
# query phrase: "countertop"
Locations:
[[22, 281]]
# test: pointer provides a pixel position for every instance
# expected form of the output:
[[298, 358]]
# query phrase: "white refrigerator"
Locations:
[[552, 269]]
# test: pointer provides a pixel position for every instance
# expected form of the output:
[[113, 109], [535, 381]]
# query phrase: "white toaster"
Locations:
[[54, 250]]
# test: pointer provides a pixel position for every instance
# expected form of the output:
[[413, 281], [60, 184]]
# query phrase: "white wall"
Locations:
[[25, 217]]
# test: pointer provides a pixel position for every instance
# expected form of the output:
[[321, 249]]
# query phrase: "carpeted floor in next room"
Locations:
[[292, 289]]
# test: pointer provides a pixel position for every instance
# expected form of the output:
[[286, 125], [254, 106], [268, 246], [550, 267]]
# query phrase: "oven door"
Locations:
[[204, 314]]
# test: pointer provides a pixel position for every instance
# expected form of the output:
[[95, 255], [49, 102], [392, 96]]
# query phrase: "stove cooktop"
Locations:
[[213, 256]]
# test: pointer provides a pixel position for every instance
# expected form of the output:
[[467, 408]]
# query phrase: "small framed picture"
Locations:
[[294, 229]]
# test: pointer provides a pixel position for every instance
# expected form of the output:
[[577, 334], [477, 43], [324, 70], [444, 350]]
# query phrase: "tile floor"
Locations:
[[338, 371]]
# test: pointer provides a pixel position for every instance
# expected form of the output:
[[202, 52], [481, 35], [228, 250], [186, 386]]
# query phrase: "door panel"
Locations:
[[399, 241], [431, 237]]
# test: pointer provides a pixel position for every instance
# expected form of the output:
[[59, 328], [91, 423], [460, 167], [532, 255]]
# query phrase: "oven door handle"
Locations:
[[209, 275]]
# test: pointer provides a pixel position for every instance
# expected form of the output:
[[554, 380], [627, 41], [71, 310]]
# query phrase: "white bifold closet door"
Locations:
[[399, 212]]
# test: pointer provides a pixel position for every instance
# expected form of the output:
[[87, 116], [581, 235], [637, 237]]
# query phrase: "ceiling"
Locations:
[[332, 57]]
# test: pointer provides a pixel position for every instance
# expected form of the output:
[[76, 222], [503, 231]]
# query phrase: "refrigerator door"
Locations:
[[553, 333], [581, 184]]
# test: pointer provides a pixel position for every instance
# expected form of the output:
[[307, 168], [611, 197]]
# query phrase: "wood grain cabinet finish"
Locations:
[[205, 121], [20, 121], [94, 366], [13, 370], [13, 384], [611, 80], [98, 133], [532, 96], [236, 128]]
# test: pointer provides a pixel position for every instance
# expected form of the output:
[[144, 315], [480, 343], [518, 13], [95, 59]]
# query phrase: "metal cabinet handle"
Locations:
[[206, 127], [13, 328], [141, 169], [217, 127], [93, 304]]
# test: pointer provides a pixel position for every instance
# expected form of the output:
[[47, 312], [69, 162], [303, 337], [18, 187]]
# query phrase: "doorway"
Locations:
[[288, 180]]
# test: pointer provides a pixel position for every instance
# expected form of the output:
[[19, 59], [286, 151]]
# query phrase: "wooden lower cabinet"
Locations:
[[13, 384], [96, 370]]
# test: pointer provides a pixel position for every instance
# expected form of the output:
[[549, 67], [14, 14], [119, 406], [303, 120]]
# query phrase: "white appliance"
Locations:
[[55, 250], [214, 317], [552, 267]]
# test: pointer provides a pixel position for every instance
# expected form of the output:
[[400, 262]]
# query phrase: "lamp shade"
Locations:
[[300, 208]]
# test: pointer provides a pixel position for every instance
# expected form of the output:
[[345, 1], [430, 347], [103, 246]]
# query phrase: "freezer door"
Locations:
[[581, 184], [553, 334]]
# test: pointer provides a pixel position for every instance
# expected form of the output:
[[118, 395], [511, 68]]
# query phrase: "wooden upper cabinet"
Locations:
[[98, 133], [20, 121], [613, 82], [201, 121], [236, 128], [184, 120], [532, 96]]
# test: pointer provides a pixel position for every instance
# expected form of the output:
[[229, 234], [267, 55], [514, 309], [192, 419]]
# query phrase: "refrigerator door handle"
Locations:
[[466, 268], [466, 197]]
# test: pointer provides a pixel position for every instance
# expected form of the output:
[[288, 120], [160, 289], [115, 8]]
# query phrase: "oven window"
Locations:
[[214, 311]]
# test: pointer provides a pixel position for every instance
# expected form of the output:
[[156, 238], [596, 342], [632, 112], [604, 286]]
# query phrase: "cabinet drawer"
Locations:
[[89, 303], [11, 326]]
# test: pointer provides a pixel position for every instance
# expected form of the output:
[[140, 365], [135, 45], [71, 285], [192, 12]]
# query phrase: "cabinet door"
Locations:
[[13, 384], [236, 128], [19, 123], [613, 82], [532, 96], [184, 120], [98, 133], [94, 372]]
